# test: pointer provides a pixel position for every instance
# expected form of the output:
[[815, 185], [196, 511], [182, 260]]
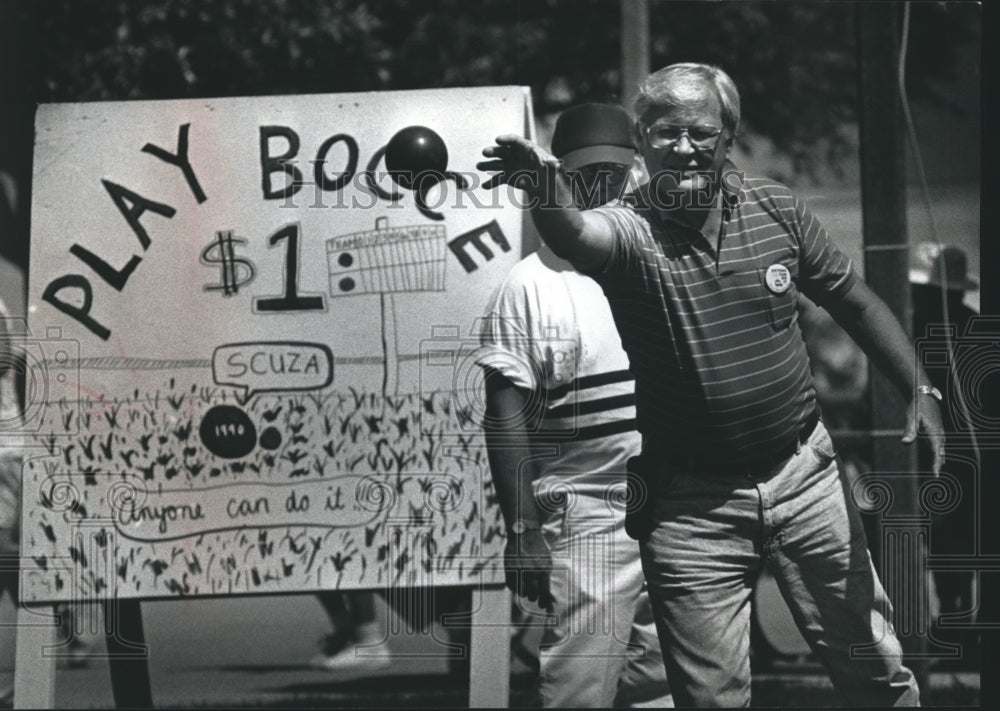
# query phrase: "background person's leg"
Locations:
[[352, 616], [335, 605], [361, 607], [582, 659]]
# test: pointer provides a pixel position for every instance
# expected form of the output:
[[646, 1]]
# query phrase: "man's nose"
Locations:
[[683, 145]]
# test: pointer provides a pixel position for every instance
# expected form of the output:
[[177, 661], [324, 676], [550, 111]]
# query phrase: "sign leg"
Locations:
[[127, 654], [34, 669], [489, 653]]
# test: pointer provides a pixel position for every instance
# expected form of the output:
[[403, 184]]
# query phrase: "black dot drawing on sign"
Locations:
[[270, 438], [346, 284], [345, 259]]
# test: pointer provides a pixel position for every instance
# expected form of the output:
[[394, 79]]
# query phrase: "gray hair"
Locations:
[[659, 90]]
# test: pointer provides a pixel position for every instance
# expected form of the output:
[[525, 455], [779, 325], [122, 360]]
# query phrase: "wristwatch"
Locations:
[[930, 390], [520, 527]]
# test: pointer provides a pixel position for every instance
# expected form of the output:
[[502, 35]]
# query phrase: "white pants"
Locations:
[[603, 650]]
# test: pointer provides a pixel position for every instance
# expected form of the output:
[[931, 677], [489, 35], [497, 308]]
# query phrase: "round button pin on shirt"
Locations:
[[778, 278]]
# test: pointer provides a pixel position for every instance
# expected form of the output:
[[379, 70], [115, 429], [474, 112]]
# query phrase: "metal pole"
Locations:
[[883, 199], [634, 48]]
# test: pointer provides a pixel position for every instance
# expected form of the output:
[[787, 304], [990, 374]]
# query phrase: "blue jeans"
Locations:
[[711, 534]]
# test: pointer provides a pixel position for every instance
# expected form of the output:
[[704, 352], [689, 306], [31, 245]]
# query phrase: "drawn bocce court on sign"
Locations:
[[385, 262], [213, 415]]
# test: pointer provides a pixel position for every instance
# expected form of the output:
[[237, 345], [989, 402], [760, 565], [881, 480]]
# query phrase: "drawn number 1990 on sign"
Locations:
[[291, 300]]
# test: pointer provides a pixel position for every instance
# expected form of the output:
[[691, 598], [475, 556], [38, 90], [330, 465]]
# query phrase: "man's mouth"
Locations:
[[683, 173]]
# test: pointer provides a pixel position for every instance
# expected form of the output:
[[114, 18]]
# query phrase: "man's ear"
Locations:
[[637, 133], [637, 173]]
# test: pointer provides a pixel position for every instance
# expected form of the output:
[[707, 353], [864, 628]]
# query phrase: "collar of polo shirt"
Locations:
[[732, 183]]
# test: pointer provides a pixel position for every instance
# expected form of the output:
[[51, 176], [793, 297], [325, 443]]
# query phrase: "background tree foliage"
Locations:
[[794, 62]]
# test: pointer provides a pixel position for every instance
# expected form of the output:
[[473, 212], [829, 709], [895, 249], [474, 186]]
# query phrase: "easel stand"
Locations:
[[35, 662], [489, 653], [128, 655]]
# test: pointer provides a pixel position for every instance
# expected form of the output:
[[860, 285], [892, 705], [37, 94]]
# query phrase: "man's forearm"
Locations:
[[510, 466], [509, 450], [873, 326], [880, 335], [558, 220], [582, 239], [578, 237], [560, 229]]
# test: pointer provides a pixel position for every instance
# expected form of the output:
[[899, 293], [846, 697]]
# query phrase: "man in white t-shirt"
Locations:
[[560, 427]]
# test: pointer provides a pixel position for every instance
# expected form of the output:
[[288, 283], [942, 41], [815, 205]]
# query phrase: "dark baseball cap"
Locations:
[[593, 133]]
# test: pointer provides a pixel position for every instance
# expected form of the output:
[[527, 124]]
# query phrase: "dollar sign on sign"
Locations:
[[236, 271]]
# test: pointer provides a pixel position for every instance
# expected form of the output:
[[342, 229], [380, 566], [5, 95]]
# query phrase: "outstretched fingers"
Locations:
[[515, 159]]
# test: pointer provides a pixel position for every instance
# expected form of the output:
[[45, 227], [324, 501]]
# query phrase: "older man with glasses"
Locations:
[[703, 272]]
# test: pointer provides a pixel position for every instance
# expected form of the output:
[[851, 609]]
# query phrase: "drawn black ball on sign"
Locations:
[[270, 438], [228, 432]]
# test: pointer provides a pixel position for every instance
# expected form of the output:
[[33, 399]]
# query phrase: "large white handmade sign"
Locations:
[[249, 347]]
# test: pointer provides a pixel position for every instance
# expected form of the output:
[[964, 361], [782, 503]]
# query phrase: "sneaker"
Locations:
[[334, 643], [342, 654], [351, 659]]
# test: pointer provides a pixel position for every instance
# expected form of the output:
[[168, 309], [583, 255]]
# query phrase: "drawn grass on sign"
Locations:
[[152, 438]]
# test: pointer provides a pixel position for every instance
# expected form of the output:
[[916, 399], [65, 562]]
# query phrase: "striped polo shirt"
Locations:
[[711, 330]]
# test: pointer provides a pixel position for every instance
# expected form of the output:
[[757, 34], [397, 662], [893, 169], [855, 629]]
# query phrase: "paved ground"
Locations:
[[255, 652]]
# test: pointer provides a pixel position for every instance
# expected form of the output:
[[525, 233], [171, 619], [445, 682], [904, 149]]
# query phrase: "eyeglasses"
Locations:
[[665, 135]]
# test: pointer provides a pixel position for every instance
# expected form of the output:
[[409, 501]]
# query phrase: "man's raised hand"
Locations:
[[518, 162]]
